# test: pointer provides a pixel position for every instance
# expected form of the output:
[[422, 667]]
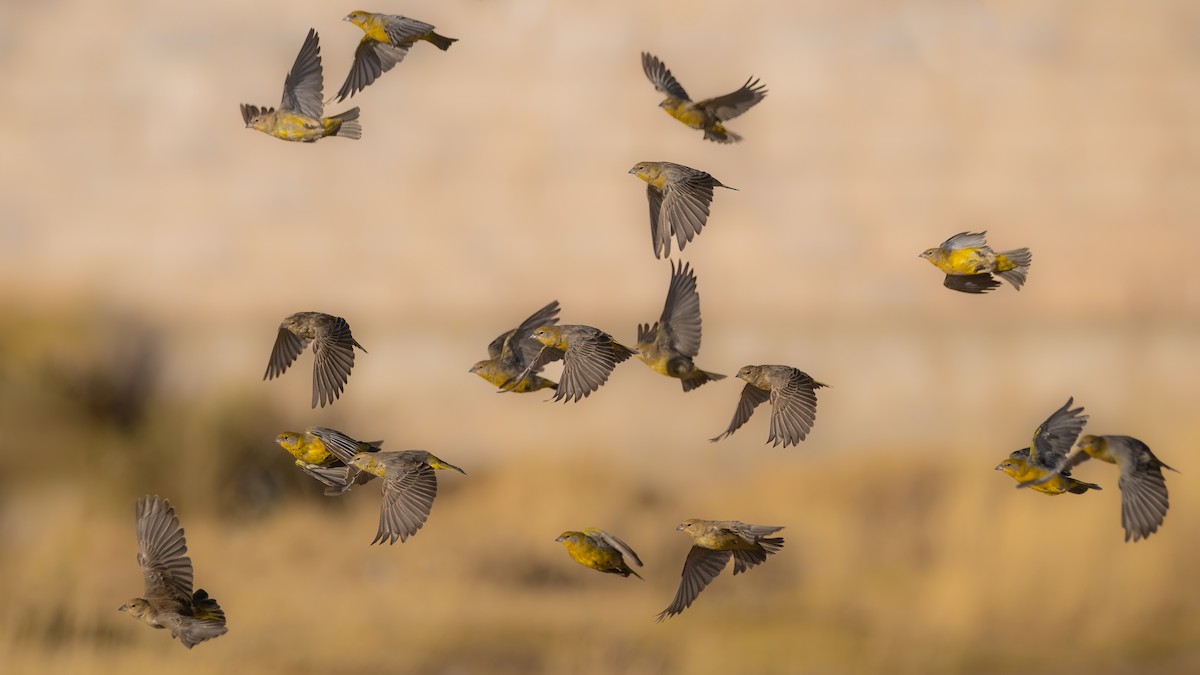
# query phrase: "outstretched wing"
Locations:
[[793, 409], [304, 83], [661, 78], [681, 313], [1054, 438], [333, 350], [751, 398], [407, 500], [162, 551], [700, 568], [733, 104], [287, 347]]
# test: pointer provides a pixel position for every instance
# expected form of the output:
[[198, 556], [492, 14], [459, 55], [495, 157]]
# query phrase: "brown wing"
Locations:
[[731, 105], [793, 409], [162, 551], [1054, 438], [681, 314], [333, 349], [660, 236], [621, 547], [304, 83], [1144, 499], [662, 78], [589, 360], [685, 203], [517, 346], [971, 283], [751, 398], [371, 59], [407, 500], [700, 568], [539, 361], [287, 347]]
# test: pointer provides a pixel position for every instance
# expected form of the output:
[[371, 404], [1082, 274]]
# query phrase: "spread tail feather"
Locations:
[[1020, 259]]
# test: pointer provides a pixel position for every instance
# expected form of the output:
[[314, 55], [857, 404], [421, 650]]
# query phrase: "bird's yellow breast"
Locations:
[[686, 113], [966, 261]]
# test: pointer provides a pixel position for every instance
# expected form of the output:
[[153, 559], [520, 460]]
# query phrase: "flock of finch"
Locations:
[[679, 199]]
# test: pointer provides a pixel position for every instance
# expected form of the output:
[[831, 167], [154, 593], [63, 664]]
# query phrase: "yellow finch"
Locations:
[[601, 551], [679, 199], [589, 356], [300, 115], [969, 263], [170, 602], [669, 346], [513, 350], [387, 41], [793, 396], [409, 487], [325, 455], [1143, 489], [707, 114], [1051, 443], [714, 541], [333, 352]]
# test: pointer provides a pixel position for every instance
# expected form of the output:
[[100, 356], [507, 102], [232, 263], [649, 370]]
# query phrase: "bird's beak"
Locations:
[[559, 538], [123, 608], [679, 528], [999, 467], [633, 170], [346, 18]]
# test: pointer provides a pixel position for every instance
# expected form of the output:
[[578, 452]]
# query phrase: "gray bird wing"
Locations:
[[971, 283], [287, 347], [681, 314], [589, 360], [1054, 438], [162, 552], [662, 78], [685, 202], [407, 500], [333, 349], [733, 104], [700, 568], [1144, 500], [751, 398], [547, 354], [621, 547], [371, 59], [965, 240], [526, 347], [793, 408], [660, 237], [304, 83]]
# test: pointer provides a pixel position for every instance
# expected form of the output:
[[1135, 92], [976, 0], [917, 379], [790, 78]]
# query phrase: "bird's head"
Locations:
[[929, 253], [135, 607], [691, 526], [256, 117], [357, 18], [365, 461], [288, 439], [482, 367], [546, 335], [568, 537], [1088, 443], [1012, 466], [647, 171], [747, 372]]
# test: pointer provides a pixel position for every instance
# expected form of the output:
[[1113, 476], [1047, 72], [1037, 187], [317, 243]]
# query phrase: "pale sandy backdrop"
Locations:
[[490, 179]]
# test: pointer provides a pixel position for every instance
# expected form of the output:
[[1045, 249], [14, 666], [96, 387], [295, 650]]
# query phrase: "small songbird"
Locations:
[[301, 112], [333, 352], [513, 350], [1052, 440], [714, 542], [793, 396], [679, 198], [969, 263], [169, 602], [409, 487], [1143, 489], [325, 454], [600, 551], [707, 114], [387, 41], [589, 356], [669, 346]]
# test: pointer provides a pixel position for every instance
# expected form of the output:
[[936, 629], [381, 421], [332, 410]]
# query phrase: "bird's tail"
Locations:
[[1012, 266], [440, 41], [697, 378], [438, 463], [348, 126], [621, 351], [206, 608], [720, 134], [771, 545], [1078, 487]]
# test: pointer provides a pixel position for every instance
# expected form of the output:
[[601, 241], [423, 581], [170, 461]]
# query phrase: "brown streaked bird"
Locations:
[[513, 350], [714, 542], [679, 198], [707, 114], [596, 549], [387, 41], [589, 356], [969, 263], [409, 488], [669, 346], [1052, 440], [1144, 500], [325, 454], [301, 112], [793, 396], [169, 602], [333, 352]]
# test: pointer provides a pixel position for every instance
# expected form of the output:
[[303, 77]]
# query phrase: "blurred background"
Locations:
[[149, 247]]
